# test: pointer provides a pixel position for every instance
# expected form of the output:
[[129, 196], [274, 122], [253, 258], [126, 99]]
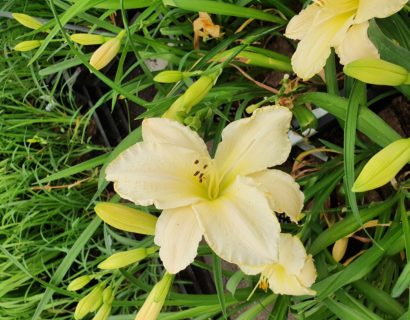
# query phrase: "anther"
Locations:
[[196, 173], [196, 162], [205, 166]]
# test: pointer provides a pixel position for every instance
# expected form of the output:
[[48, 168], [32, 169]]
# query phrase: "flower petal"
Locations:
[[292, 253], [300, 24], [308, 273], [253, 144], [282, 191], [150, 173], [251, 270], [282, 283], [163, 130], [356, 45], [314, 49], [178, 234], [239, 226], [369, 9]]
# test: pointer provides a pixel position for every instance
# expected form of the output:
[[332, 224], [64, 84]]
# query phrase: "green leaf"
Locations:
[[223, 8], [368, 122], [217, 272], [86, 165]]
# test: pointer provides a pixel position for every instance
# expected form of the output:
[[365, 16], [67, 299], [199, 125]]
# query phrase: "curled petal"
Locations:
[[178, 234], [253, 144], [162, 130], [150, 173], [282, 191], [308, 273], [300, 24], [282, 283], [292, 253], [356, 45], [369, 9], [239, 226]]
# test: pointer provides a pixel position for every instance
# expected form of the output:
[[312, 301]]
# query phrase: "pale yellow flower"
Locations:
[[292, 272], [341, 24], [228, 199]]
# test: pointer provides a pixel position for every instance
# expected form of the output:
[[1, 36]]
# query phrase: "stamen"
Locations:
[[196, 161]]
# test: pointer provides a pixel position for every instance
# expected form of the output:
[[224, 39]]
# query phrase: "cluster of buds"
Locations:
[[98, 300], [192, 96], [110, 46]]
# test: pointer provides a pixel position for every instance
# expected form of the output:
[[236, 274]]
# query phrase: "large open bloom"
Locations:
[[341, 24], [292, 273], [228, 199]]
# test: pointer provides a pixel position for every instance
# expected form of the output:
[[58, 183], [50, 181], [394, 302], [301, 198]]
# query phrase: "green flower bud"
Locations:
[[192, 96], [103, 313], [90, 302], [27, 45], [125, 258], [125, 218], [106, 52], [79, 283], [383, 166], [376, 71], [27, 21], [87, 39], [153, 304]]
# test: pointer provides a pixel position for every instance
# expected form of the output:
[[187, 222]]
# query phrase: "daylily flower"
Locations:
[[293, 273], [205, 28], [341, 24], [227, 199]]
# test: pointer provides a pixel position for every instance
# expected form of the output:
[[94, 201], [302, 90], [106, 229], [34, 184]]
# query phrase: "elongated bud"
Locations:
[[305, 117], [169, 76], [383, 166], [79, 283], [106, 52], [125, 218], [192, 96], [87, 39], [108, 295], [103, 313], [90, 302], [125, 258], [27, 21], [376, 71], [263, 58], [339, 249], [27, 45], [155, 300]]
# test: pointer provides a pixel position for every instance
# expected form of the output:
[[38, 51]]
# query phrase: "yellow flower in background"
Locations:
[[292, 272], [107, 51], [227, 199], [205, 28], [383, 166], [341, 24], [155, 300]]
